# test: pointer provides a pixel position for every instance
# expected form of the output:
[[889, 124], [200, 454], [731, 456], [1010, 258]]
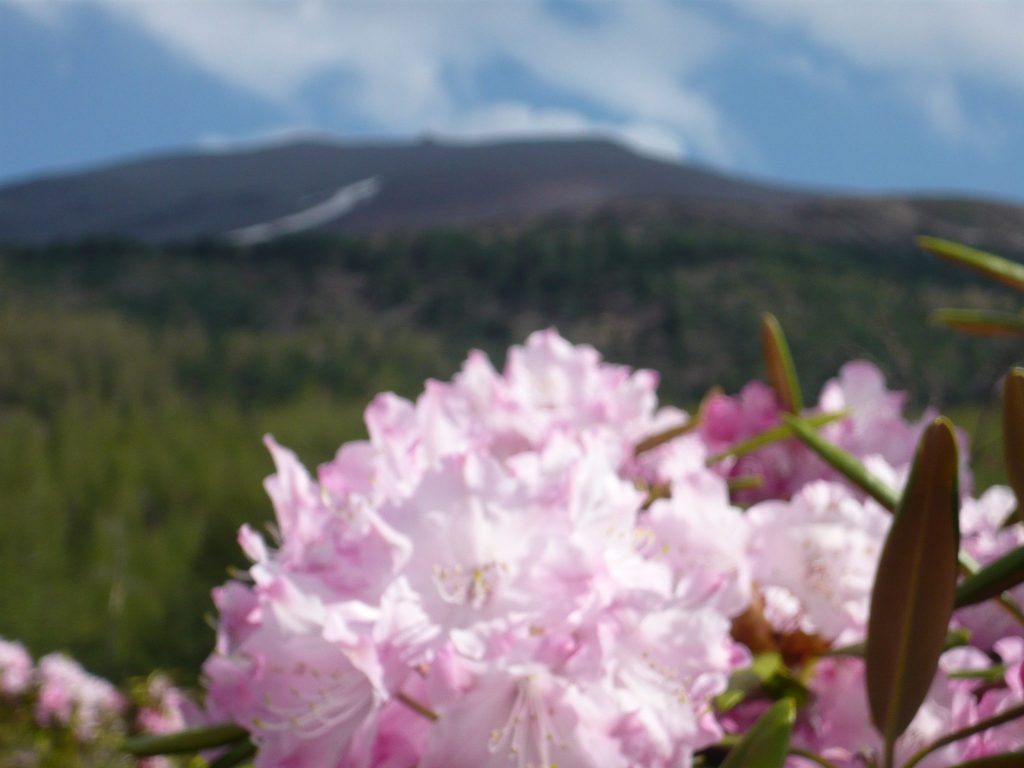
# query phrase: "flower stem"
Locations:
[[191, 740], [963, 733], [418, 708], [812, 756]]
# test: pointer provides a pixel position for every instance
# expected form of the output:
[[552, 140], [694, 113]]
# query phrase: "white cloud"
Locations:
[[981, 38], [628, 72], [282, 134], [631, 71], [493, 122], [928, 47], [825, 77], [942, 106], [42, 11], [518, 120]]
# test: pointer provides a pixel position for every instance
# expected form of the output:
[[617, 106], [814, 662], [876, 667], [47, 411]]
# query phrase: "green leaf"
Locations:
[[1013, 435], [774, 435], [661, 438], [767, 674], [745, 482], [995, 267], [845, 463], [744, 682], [979, 322], [912, 598], [235, 756], [992, 580], [192, 740], [995, 673], [955, 638], [979, 726], [766, 744], [1007, 760], [779, 363], [649, 443]]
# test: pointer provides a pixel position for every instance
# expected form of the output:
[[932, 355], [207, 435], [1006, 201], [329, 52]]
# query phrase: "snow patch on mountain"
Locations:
[[340, 203]]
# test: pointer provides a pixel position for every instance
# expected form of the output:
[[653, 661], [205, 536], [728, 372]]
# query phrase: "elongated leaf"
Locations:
[[1005, 271], [1013, 435], [649, 443], [912, 599], [995, 673], [774, 435], [979, 322], [1008, 760], [745, 482], [979, 726], [661, 438], [992, 580], [192, 740], [955, 638], [779, 362], [235, 756], [845, 463], [766, 744]]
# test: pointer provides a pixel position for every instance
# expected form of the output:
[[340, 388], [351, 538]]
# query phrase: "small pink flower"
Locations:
[[15, 668], [836, 722], [68, 695], [984, 537], [873, 427], [815, 558], [167, 708]]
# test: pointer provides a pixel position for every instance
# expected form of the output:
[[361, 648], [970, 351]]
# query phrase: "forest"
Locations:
[[136, 381]]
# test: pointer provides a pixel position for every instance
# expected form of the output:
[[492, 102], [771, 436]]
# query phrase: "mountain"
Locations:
[[357, 188], [255, 195]]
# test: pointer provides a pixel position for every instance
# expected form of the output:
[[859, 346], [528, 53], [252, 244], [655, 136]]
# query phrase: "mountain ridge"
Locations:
[[287, 187]]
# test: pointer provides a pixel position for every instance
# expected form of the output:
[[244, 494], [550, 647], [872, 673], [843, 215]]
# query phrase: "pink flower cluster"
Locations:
[[65, 699], [165, 709], [68, 695], [64, 693], [15, 668], [874, 427], [496, 577]]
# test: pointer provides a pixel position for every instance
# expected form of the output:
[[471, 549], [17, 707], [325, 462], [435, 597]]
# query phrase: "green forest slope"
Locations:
[[136, 383]]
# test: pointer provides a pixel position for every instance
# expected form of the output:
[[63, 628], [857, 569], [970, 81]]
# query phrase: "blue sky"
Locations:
[[896, 95]]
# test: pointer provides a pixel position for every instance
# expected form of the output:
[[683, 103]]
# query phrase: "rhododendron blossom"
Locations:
[[873, 426], [492, 535], [500, 576], [68, 695], [15, 668], [814, 559], [55, 713], [985, 537]]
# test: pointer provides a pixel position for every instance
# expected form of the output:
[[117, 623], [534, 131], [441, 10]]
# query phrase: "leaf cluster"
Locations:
[[916, 586]]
